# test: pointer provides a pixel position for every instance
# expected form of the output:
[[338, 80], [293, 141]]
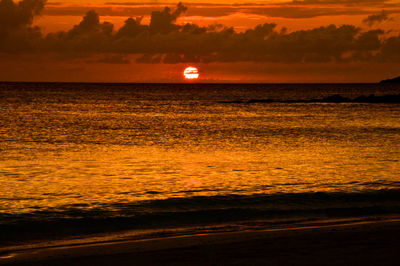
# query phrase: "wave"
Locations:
[[337, 98], [195, 211]]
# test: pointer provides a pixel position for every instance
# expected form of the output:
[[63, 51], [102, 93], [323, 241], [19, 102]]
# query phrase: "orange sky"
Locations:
[[55, 45]]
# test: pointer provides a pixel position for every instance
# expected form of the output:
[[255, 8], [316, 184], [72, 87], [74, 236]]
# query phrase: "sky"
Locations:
[[275, 41]]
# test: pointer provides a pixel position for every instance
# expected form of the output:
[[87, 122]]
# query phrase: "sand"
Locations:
[[374, 242]]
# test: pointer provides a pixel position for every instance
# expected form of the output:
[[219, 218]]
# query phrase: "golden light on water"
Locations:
[[191, 73], [101, 147]]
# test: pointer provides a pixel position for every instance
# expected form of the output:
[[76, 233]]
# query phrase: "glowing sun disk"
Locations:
[[191, 73]]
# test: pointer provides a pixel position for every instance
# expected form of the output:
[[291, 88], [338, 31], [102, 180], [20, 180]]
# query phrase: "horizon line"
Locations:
[[193, 83]]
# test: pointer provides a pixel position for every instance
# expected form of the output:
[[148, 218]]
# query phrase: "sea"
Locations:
[[85, 158]]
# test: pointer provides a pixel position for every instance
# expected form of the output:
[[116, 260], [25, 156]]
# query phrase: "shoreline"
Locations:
[[368, 234]]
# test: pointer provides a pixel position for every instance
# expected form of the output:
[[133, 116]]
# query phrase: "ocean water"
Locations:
[[127, 156]]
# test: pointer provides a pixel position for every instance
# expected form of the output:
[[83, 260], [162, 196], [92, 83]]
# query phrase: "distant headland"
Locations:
[[395, 80]]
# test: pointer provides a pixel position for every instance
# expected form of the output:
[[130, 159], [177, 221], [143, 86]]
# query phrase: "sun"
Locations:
[[191, 73]]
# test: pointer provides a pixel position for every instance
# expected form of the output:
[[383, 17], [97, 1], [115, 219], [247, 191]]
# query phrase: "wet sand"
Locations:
[[356, 243]]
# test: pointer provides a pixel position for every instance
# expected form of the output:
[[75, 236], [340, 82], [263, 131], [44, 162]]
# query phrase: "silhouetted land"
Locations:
[[395, 98], [394, 80]]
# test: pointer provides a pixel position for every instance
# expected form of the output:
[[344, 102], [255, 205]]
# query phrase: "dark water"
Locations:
[[123, 156]]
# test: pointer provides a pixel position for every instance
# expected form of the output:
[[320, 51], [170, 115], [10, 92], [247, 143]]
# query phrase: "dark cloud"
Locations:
[[16, 33], [341, 2], [263, 43], [132, 27], [114, 59], [377, 18], [17, 15], [390, 51], [163, 21], [302, 11], [212, 10], [164, 41], [88, 36]]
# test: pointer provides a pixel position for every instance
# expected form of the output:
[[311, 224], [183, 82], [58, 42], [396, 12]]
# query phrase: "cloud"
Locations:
[[164, 41], [377, 18], [17, 15], [132, 27], [261, 44], [114, 59], [88, 36], [303, 11], [163, 21], [16, 33], [213, 10], [341, 2], [390, 51]]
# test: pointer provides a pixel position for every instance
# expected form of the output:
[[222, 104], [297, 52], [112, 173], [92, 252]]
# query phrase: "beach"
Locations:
[[368, 242]]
